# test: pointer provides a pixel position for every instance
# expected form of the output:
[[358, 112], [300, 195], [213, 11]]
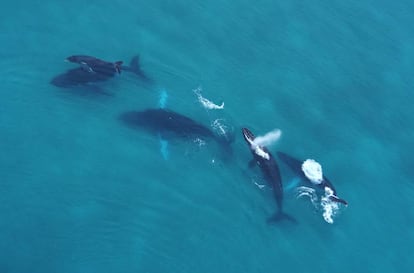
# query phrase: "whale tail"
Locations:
[[279, 216], [135, 68], [134, 65]]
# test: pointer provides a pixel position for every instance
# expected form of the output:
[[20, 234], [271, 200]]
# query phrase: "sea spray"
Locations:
[[268, 139]]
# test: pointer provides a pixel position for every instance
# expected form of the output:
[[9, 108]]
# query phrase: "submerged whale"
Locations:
[[93, 70], [265, 160], [172, 125], [296, 166]]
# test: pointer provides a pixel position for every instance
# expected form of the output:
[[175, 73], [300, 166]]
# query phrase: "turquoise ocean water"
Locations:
[[81, 192]]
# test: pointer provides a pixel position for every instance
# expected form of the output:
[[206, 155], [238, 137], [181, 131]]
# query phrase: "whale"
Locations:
[[169, 124], [94, 65], [270, 170], [296, 166], [92, 70]]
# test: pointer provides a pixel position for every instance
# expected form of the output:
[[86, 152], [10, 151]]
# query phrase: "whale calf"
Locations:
[[296, 166], [94, 65], [265, 160]]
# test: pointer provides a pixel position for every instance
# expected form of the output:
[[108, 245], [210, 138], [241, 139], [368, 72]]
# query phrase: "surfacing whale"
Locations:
[[172, 125], [296, 166], [267, 164]]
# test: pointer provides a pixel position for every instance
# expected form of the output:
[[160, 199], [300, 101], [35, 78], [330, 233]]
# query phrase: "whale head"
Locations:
[[257, 149], [248, 135]]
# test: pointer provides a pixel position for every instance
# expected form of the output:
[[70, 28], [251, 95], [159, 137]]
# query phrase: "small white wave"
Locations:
[[219, 127], [205, 102], [269, 138], [199, 142], [307, 192], [260, 186]]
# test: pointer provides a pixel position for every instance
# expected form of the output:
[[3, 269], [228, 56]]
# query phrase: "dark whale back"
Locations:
[[171, 125], [77, 76], [95, 65], [271, 173], [166, 121], [296, 166]]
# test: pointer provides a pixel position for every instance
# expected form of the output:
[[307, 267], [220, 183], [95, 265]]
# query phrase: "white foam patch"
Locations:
[[268, 139], [260, 152], [313, 171], [329, 207], [205, 102]]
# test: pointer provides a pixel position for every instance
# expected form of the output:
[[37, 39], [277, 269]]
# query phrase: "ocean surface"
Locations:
[[82, 192]]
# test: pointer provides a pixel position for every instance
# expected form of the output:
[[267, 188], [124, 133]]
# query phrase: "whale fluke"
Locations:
[[135, 67]]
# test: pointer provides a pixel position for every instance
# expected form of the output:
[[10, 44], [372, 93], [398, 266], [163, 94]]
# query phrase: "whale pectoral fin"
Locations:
[[252, 163], [86, 67], [338, 200], [118, 65], [163, 147]]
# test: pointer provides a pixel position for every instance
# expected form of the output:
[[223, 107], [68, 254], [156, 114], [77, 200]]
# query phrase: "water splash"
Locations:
[[268, 139], [199, 142], [219, 127], [205, 102], [329, 207]]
